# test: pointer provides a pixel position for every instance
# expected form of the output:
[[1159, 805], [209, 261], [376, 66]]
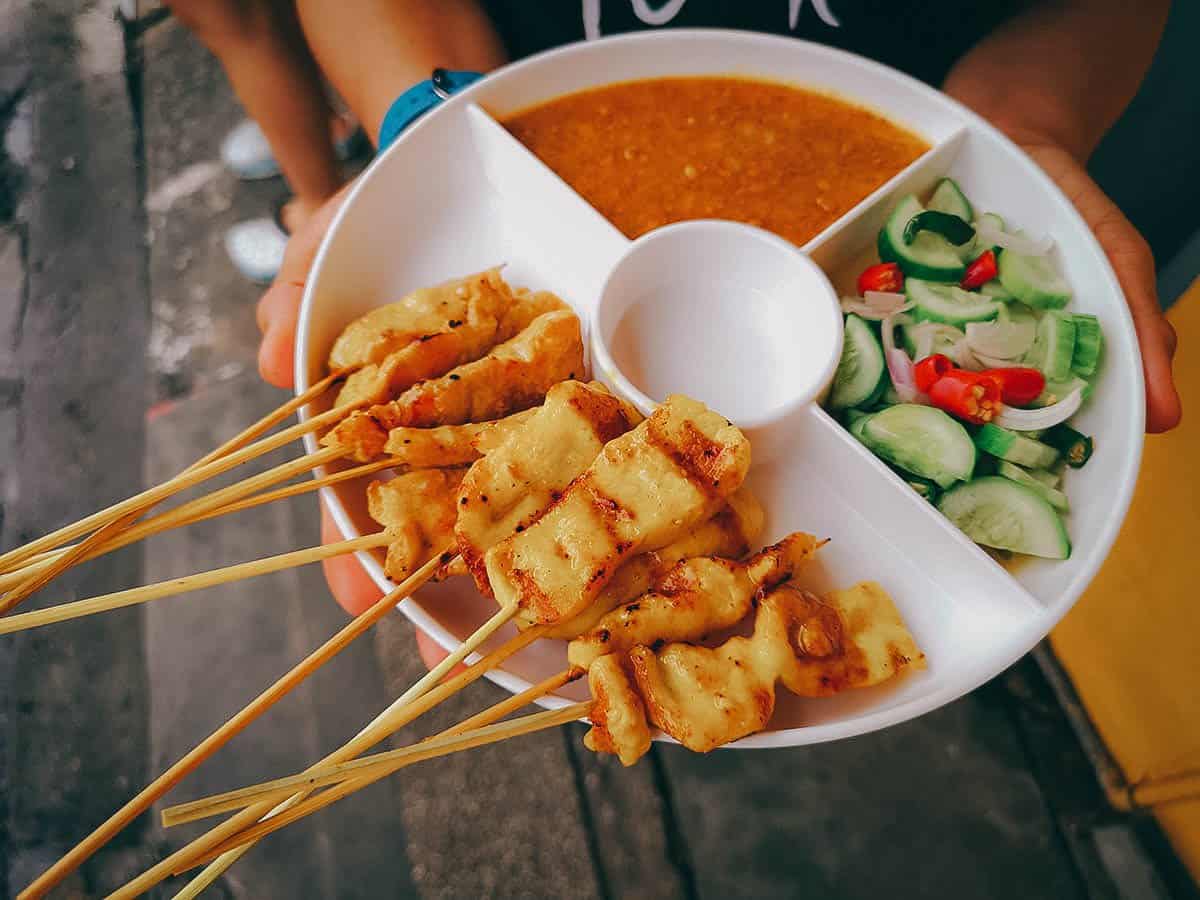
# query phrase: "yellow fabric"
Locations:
[[1132, 644]]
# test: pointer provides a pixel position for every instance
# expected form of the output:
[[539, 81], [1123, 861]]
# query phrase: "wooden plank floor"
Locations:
[[129, 362]]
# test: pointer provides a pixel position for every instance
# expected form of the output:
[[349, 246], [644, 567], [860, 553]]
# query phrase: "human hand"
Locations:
[[279, 307], [1133, 263]]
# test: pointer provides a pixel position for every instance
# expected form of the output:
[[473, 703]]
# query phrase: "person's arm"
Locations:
[[371, 51], [374, 50], [1055, 79]]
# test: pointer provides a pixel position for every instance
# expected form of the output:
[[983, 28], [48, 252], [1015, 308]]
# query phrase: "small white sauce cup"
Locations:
[[726, 313]]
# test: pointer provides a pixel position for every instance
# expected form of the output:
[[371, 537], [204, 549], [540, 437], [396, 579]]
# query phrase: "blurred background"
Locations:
[[127, 348]]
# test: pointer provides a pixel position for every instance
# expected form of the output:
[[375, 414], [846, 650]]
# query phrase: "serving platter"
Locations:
[[457, 193]]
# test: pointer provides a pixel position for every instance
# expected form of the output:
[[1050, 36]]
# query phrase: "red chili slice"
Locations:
[[980, 272], [1019, 385], [881, 277], [971, 396], [930, 369]]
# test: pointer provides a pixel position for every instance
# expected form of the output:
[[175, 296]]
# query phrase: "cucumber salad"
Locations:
[[961, 368]]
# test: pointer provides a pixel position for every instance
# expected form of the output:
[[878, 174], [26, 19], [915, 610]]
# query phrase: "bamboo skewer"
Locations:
[[392, 719], [197, 755], [271, 419], [151, 496], [379, 764], [234, 443], [316, 777], [35, 582], [187, 583], [363, 771], [117, 526], [208, 506], [241, 844]]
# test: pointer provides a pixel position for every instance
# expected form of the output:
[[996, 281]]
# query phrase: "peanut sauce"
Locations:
[[648, 153]]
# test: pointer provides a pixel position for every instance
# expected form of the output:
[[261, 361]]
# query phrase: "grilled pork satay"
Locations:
[[451, 445], [705, 697], [417, 509], [512, 377], [645, 489], [489, 318], [382, 331], [509, 488], [699, 596], [729, 534]]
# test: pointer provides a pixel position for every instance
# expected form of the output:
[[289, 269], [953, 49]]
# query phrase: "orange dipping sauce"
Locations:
[[648, 153]]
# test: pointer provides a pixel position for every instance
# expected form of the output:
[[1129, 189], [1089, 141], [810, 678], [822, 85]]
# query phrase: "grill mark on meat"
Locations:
[[532, 596], [603, 413], [699, 458]]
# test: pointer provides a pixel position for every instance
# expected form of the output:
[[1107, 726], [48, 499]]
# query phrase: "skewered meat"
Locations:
[[512, 377], [506, 490], [490, 317], [417, 509], [705, 697], [697, 597], [645, 489], [370, 338], [730, 534], [451, 445], [619, 721]]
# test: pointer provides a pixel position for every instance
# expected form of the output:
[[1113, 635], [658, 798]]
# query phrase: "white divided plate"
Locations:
[[457, 194]]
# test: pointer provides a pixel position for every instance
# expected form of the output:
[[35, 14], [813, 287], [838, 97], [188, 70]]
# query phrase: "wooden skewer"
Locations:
[[269, 421], [392, 719], [234, 443], [315, 777], [240, 845], [206, 748], [381, 764], [154, 495], [187, 583], [105, 534], [208, 506], [35, 582]]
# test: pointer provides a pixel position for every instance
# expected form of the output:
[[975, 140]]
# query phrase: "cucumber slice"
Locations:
[[1054, 347], [860, 372], [1089, 344], [990, 218], [1033, 280], [997, 512], [923, 486], [949, 303], [1016, 312], [1057, 390], [929, 256], [926, 338], [1044, 476], [1051, 495], [1014, 447], [856, 421], [889, 396], [921, 440], [997, 291], [948, 197]]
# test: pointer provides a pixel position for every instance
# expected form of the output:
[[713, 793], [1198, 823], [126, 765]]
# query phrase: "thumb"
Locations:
[[279, 308]]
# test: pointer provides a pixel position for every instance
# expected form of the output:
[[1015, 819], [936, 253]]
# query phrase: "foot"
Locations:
[[246, 152], [256, 247]]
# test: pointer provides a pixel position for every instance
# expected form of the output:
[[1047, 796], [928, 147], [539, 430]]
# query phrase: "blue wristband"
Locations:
[[419, 99]]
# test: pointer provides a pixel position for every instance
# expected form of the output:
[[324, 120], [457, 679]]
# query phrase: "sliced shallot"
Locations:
[[1037, 419], [899, 364], [987, 235]]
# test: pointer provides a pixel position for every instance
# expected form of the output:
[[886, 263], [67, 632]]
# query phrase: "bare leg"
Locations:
[[373, 50], [262, 50]]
